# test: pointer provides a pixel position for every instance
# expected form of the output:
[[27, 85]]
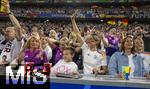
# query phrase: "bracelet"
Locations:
[[9, 13]]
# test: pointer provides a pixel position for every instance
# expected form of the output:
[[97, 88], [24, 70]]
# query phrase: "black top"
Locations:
[[146, 43]]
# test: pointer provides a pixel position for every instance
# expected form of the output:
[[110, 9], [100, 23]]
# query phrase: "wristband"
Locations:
[[9, 13]]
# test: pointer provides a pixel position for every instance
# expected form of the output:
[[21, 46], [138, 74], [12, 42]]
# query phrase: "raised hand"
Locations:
[[95, 70], [73, 16], [40, 55]]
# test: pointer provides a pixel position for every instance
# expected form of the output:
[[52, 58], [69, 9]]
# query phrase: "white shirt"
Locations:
[[16, 47], [64, 67], [48, 51], [14, 50], [2, 38], [131, 65], [91, 59], [2, 45]]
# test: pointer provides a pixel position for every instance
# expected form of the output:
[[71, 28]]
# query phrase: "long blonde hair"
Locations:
[[72, 36], [27, 45], [53, 34]]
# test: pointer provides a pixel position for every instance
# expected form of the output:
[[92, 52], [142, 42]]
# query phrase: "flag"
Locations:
[[111, 22], [125, 22]]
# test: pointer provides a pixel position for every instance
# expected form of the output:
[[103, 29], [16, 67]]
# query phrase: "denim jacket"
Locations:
[[119, 59]]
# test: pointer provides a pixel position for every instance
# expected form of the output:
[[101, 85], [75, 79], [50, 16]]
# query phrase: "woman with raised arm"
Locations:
[[93, 61]]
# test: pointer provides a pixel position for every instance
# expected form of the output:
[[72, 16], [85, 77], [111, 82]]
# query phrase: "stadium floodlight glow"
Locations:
[[21, 73]]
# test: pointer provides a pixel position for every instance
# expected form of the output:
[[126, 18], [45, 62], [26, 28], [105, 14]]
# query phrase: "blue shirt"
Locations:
[[119, 59]]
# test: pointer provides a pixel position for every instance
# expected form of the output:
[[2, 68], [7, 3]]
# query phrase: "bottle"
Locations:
[[3, 8]]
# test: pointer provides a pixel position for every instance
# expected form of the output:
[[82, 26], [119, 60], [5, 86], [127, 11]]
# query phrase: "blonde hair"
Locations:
[[64, 41], [27, 45], [52, 33], [72, 36]]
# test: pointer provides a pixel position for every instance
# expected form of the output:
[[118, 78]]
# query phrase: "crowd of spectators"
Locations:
[[93, 48], [82, 12], [66, 26]]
